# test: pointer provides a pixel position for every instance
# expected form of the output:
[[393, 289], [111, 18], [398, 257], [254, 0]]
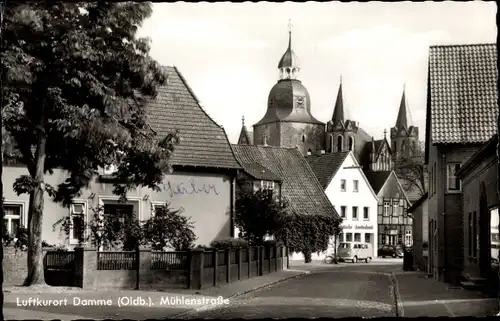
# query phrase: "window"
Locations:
[[267, 185], [355, 213], [355, 184], [395, 210], [348, 237], [366, 213], [495, 238], [387, 204], [78, 212], [120, 211], [342, 211], [408, 240], [341, 237], [12, 218], [351, 143], [368, 238], [342, 185], [303, 138], [357, 237], [339, 144], [430, 172], [453, 181]]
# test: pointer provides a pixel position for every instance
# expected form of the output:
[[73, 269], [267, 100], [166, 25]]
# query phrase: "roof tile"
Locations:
[[299, 184], [203, 142], [463, 93], [325, 166]]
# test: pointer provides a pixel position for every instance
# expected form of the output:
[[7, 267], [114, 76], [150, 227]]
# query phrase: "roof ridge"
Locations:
[[465, 45], [315, 178]]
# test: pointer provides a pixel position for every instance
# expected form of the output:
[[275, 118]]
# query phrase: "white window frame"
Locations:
[[408, 238], [343, 182], [345, 211], [83, 202], [268, 185], [369, 237], [154, 205], [349, 234], [355, 214], [449, 176], [131, 200], [387, 204], [395, 205], [354, 237], [355, 185], [367, 210], [23, 217]]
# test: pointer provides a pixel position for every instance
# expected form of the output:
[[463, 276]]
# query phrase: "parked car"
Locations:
[[390, 250], [355, 252]]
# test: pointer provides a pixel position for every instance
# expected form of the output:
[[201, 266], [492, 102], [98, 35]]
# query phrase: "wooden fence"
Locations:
[[161, 270]]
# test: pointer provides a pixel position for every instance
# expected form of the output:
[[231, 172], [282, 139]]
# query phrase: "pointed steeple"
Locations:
[[402, 120], [289, 64], [338, 111], [246, 137]]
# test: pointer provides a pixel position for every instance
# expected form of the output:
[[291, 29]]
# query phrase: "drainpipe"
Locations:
[[232, 203]]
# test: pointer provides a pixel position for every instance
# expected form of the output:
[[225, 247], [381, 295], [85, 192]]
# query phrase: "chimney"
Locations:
[[322, 152]]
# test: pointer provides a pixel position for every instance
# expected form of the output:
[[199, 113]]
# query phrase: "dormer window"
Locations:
[[303, 138]]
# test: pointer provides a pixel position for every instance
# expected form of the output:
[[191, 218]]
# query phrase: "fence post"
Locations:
[[268, 249], [275, 259], [216, 263], [262, 254], [287, 258], [259, 262], [144, 273], [238, 253], [249, 256], [196, 258], [228, 265], [86, 266]]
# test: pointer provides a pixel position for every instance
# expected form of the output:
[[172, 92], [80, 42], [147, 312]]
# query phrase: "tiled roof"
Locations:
[[203, 142], [325, 166], [260, 172], [377, 179], [299, 186], [463, 105]]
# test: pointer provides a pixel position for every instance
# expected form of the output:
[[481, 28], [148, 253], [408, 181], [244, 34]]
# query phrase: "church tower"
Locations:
[[288, 121], [340, 132], [404, 138]]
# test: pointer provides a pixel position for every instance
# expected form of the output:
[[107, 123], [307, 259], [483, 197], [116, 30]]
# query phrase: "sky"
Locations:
[[229, 53]]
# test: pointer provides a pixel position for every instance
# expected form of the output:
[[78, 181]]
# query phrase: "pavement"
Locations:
[[376, 289]]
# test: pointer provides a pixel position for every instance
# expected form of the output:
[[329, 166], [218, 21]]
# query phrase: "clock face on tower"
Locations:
[[300, 100]]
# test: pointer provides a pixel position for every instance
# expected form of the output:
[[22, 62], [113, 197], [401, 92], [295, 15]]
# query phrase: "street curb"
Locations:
[[194, 310], [397, 296]]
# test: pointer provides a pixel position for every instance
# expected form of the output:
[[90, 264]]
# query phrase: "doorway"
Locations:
[[484, 234]]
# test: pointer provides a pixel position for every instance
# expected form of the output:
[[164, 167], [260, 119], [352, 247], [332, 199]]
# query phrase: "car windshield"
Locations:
[[344, 246]]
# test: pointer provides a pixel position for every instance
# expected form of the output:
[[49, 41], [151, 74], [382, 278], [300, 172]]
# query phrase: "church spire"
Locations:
[[289, 65], [402, 121], [338, 112]]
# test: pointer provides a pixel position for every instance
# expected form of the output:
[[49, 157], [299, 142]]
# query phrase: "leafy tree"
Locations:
[[411, 170], [308, 233], [258, 214], [168, 229], [75, 83]]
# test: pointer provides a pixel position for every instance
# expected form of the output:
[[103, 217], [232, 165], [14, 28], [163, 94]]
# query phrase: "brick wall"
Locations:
[[485, 171], [15, 268]]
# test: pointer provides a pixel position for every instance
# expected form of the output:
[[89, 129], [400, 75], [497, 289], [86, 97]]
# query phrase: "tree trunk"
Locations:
[[35, 219], [307, 256]]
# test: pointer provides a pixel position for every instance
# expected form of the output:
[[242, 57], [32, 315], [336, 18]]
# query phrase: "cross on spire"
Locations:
[[341, 79], [290, 25], [385, 132], [243, 120], [404, 86]]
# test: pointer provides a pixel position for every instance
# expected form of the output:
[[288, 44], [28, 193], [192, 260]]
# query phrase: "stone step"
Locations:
[[477, 280]]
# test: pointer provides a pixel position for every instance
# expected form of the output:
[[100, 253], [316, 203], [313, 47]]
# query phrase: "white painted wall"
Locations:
[[363, 198]]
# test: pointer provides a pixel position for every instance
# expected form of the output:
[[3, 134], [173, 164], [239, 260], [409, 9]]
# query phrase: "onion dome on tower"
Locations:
[[289, 100]]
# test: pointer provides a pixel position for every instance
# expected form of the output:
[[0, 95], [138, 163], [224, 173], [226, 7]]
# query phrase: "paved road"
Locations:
[[350, 291]]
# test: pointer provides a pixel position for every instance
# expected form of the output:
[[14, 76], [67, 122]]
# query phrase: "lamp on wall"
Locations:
[[92, 195], [146, 197]]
